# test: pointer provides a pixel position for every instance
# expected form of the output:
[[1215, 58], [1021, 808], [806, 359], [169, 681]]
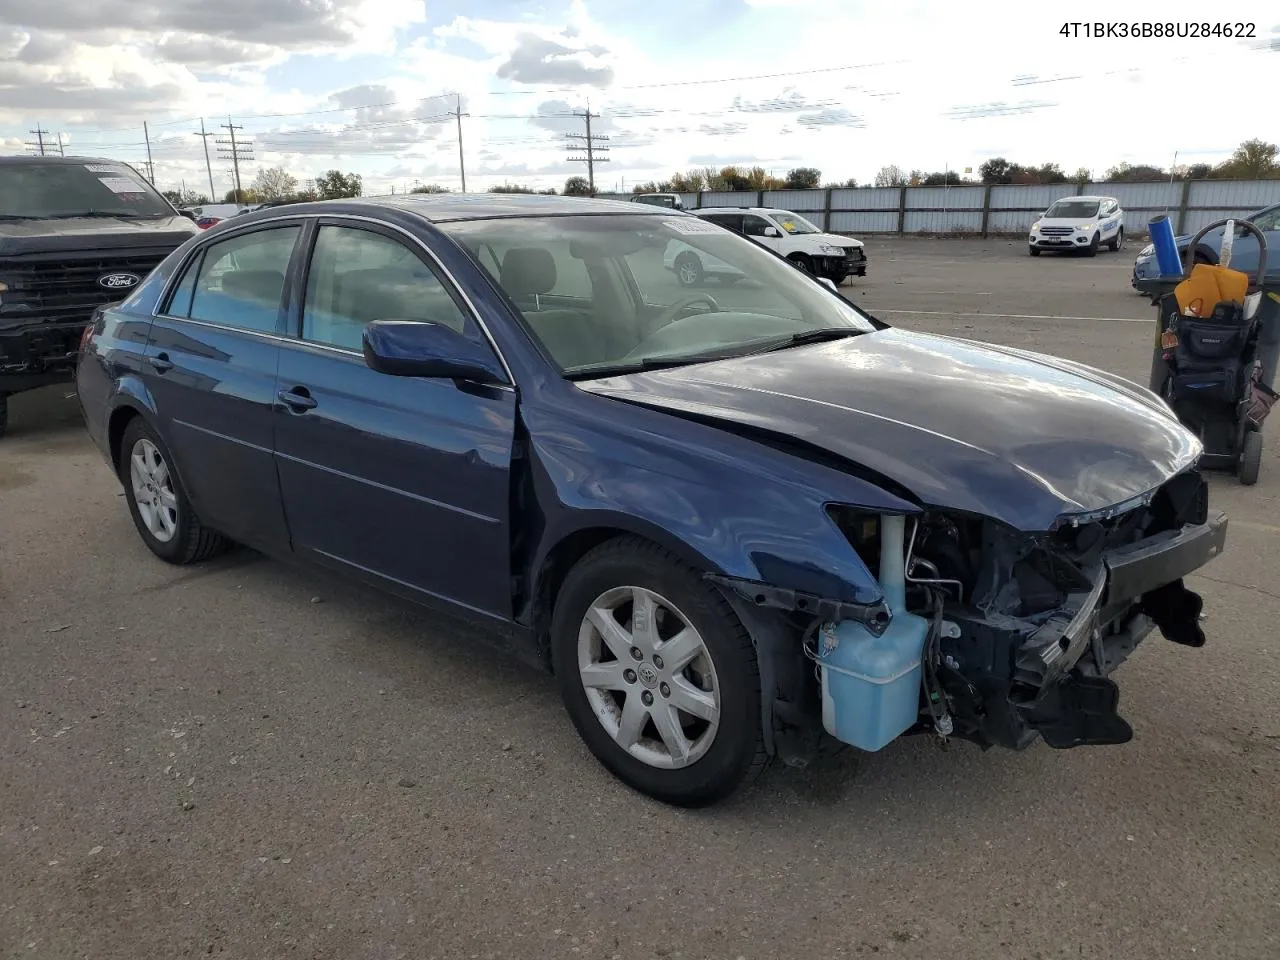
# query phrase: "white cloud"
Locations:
[[928, 84]]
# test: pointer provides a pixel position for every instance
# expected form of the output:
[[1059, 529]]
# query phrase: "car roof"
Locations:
[[61, 161], [1086, 196], [744, 210], [446, 207]]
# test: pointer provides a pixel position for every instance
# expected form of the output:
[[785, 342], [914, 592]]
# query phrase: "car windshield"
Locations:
[[42, 190], [1073, 209], [609, 293], [794, 224]]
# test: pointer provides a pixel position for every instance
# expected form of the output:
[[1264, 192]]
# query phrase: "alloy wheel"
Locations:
[[649, 677], [153, 491]]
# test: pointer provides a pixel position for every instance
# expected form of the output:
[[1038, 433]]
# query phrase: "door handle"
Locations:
[[161, 362], [298, 399]]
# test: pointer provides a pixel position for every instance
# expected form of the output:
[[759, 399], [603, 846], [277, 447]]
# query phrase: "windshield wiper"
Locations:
[[640, 366], [95, 214], [809, 336]]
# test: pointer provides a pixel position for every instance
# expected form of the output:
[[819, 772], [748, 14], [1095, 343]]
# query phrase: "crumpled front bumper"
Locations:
[[1059, 689]]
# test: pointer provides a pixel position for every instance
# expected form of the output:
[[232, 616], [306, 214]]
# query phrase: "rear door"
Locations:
[[210, 365], [400, 480]]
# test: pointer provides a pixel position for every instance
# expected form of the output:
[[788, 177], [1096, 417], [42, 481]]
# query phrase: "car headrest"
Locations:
[[264, 285], [528, 270]]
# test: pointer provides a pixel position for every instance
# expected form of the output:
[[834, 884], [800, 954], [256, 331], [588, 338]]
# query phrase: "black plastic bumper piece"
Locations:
[[1079, 712], [1159, 561]]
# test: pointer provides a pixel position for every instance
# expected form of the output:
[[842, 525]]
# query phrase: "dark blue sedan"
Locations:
[[735, 526]]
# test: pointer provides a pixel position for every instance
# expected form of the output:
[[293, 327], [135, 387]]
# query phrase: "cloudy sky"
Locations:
[[842, 85]]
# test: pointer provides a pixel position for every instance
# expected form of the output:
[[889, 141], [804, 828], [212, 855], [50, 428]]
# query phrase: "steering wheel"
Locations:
[[672, 313]]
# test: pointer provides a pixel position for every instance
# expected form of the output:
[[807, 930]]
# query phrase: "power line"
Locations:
[[588, 143]]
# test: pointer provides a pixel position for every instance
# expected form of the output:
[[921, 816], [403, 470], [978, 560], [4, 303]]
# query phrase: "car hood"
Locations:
[[1022, 438], [835, 240], [50, 236]]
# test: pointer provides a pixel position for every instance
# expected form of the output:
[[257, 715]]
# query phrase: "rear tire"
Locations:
[[1250, 459], [718, 747], [161, 511]]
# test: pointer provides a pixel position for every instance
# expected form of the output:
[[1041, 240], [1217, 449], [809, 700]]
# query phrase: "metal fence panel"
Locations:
[[949, 198], [866, 198], [729, 198], [943, 221], [1156, 195], [1034, 197], [1011, 221], [797, 201], [1245, 195], [855, 224]]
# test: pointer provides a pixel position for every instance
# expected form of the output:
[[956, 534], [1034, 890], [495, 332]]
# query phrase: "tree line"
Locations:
[[1252, 160]]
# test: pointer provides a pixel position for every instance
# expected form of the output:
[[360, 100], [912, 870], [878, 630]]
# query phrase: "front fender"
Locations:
[[731, 506]]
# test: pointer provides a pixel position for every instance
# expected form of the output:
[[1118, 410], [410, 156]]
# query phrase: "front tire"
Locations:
[[4, 414], [1116, 243], [1092, 249], [657, 673], [689, 270], [161, 511], [803, 262], [1034, 251]]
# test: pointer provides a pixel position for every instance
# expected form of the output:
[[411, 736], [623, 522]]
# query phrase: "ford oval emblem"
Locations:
[[119, 281]]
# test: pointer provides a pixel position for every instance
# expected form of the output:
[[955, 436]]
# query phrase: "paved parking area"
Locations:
[[242, 760]]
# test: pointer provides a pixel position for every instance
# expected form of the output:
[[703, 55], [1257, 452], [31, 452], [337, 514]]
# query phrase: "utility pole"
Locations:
[[457, 114], [39, 133], [235, 150], [594, 153], [151, 169], [204, 138], [61, 151]]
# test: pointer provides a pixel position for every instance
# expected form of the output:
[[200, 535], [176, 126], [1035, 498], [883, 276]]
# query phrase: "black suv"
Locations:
[[75, 233]]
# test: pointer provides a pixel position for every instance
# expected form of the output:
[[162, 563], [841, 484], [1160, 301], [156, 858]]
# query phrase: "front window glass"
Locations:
[[358, 276], [792, 223], [637, 309], [1073, 209], [58, 191]]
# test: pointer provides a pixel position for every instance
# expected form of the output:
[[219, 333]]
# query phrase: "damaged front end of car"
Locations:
[[986, 633]]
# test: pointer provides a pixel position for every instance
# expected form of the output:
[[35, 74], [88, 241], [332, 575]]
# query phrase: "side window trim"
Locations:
[[190, 267], [295, 333]]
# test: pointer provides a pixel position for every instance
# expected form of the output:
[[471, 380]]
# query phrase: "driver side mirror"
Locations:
[[771, 232], [420, 348]]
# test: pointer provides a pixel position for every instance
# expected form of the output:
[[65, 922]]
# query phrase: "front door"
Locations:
[[401, 479], [756, 227], [211, 368]]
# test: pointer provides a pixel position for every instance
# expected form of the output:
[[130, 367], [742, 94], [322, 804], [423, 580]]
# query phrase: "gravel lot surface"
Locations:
[[244, 760]]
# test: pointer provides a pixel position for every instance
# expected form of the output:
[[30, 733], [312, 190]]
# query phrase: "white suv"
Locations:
[[1078, 223], [822, 254]]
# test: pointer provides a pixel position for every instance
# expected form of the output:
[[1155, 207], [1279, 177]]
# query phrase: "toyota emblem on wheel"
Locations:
[[119, 281]]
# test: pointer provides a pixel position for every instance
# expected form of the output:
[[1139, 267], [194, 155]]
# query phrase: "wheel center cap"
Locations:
[[648, 675]]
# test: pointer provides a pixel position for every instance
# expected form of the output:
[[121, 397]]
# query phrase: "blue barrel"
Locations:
[[1161, 231]]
